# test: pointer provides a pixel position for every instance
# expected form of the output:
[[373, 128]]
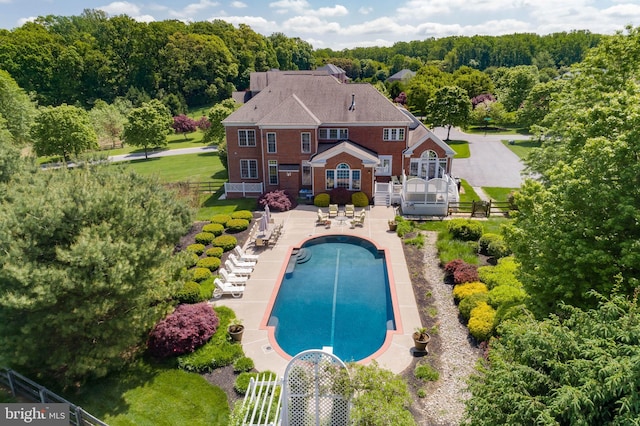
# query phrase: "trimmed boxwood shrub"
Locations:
[[196, 248], [322, 200], [461, 291], [243, 364], [242, 214], [481, 321], [191, 259], [214, 228], [359, 199], [237, 225], [211, 356], [426, 372], [506, 295], [485, 240], [204, 238], [189, 293], [498, 249], [465, 229], [503, 273], [211, 263], [226, 242], [200, 274], [221, 219], [187, 328], [215, 252], [467, 304], [242, 381]]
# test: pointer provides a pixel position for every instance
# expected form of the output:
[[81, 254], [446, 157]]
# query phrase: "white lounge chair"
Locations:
[[244, 256], [239, 263], [232, 278], [359, 220], [322, 217], [235, 270], [333, 210], [349, 210], [226, 288]]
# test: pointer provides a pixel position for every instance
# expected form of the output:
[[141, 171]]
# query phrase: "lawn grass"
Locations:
[[468, 194], [150, 394], [201, 167], [491, 130], [522, 148], [461, 148], [174, 141], [498, 194]]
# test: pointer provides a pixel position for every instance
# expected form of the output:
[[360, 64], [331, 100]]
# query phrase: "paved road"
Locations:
[[164, 153], [490, 164]]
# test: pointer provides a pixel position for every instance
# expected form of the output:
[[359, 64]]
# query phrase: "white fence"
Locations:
[[246, 189]]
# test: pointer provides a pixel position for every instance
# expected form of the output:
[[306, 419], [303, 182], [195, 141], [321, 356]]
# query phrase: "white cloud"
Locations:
[[193, 10], [310, 25], [238, 4], [23, 21], [287, 6], [365, 10], [257, 23], [121, 8], [337, 10]]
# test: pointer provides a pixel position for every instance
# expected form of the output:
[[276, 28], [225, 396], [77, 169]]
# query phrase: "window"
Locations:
[[246, 137], [334, 134], [273, 172], [271, 143], [249, 169], [343, 177], [305, 142], [393, 134], [384, 169], [428, 166], [306, 174]]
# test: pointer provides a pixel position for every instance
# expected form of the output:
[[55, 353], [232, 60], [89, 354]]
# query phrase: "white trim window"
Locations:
[[428, 166], [271, 143], [343, 177], [384, 169], [273, 172], [249, 169], [333, 134], [393, 134], [305, 142], [246, 137]]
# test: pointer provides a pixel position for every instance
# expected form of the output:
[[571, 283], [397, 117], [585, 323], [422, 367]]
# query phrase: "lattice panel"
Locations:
[[315, 390]]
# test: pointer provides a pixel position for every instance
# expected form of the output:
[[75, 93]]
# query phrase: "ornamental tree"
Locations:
[[216, 114], [450, 106], [184, 124], [87, 269], [148, 126]]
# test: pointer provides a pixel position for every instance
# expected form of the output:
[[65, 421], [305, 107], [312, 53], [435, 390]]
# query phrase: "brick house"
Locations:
[[309, 132]]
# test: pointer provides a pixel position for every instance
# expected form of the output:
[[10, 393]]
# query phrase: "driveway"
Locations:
[[490, 164], [163, 153]]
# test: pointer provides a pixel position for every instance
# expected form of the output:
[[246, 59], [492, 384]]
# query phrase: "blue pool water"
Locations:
[[339, 298]]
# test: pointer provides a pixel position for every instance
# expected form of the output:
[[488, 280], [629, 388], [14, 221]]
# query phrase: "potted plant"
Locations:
[[421, 339], [393, 225], [236, 329]]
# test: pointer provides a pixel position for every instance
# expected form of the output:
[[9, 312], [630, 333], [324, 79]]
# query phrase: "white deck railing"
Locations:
[[244, 188]]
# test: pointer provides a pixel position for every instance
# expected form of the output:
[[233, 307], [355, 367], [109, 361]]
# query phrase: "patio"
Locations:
[[300, 224]]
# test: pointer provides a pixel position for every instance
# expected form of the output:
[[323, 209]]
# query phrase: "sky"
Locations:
[[358, 23]]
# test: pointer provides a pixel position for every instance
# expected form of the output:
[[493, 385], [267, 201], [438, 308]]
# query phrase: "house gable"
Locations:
[[367, 157]]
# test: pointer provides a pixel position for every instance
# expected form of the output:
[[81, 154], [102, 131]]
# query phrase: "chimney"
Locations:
[[353, 102]]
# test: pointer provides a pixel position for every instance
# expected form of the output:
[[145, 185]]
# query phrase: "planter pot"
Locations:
[[235, 331], [393, 227], [420, 345]]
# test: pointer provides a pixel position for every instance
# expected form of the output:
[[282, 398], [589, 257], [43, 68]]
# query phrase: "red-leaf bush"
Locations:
[[187, 328], [460, 271], [340, 196], [278, 200]]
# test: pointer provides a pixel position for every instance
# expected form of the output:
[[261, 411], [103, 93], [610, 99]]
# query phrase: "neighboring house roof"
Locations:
[[323, 98], [328, 150], [401, 75], [290, 112]]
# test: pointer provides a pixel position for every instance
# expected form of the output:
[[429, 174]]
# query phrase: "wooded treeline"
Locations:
[[80, 59]]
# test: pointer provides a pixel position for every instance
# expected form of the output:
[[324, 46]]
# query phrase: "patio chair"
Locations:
[[358, 221], [239, 263], [232, 278], [322, 217], [333, 210], [244, 256], [226, 288], [237, 270], [349, 210], [262, 242]]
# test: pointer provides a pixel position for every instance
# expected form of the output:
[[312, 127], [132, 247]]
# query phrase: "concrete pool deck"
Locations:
[[298, 225]]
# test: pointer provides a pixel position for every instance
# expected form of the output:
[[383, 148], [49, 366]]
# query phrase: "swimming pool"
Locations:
[[335, 294]]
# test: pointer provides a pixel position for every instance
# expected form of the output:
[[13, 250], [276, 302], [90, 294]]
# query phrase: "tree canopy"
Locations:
[[148, 125]]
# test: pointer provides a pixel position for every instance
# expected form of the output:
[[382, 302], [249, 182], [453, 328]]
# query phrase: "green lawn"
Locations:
[[175, 141], [469, 194], [461, 148], [492, 130], [498, 194], [201, 167], [522, 148]]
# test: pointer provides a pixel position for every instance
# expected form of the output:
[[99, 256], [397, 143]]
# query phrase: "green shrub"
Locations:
[[465, 229], [211, 263], [195, 248], [237, 225], [426, 372], [204, 238], [417, 241], [404, 226], [241, 384], [215, 252], [506, 295], [322, 200], [359, 199], [481, 321], [498, 249], [242, 214], [467, 304], [214, 228], [503, 273], [461, 291], [200, 274], [221, 219], [243, 364], [485, 240], [226, 242], [510, 311], [206, 289], [450, 249], [421, 393], [189, 293], [212, 355], [191, 259]]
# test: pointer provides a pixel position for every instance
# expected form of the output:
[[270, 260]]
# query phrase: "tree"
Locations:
[[148, 126], [108, 122], [88, 269], [16, 107], [577, 368], [216, 114], [63, 130], [536, 105], [514, 84], [423, 85], [473, 81], [577, 227], [183, 124], [450, 106]]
